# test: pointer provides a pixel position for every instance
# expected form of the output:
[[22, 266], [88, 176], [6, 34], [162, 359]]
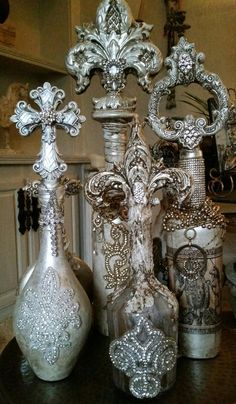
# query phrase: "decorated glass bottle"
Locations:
[[52, 315], [143, 315], [117, 44], [81, 270], [194, 231]]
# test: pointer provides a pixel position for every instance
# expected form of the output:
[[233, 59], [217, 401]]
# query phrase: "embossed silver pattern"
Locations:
[[116, 252], [114, 44], [136, 180], [185, 66], [27, 119]]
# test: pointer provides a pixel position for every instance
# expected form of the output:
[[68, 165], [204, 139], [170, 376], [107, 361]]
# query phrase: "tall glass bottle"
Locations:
[[143, 315], [115, 45], [52, 315], [195, 230], [195, 234]]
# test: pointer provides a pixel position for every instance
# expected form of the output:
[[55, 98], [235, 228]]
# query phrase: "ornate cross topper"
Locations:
[[115, 44], [49, 165], [185, 66]]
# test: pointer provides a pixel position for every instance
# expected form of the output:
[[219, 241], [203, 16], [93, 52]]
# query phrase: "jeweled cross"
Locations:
[[49, 165]]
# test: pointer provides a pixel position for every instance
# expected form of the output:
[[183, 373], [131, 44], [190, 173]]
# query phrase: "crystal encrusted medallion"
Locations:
[[144, 354]]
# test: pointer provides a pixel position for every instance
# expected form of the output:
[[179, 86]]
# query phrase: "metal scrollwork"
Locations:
[[185, 66], [115, 44], [144, 354], [72, 186], [221, 184]]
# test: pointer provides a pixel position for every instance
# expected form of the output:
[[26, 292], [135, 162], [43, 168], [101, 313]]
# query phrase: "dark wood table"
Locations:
[[211, 381]]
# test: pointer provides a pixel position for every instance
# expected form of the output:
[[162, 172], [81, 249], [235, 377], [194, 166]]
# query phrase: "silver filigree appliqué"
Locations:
[[47, 326]]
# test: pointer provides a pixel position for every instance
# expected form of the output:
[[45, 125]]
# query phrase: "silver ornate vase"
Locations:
[[117, 44], [52, 315], [143, 314], [194, 230]]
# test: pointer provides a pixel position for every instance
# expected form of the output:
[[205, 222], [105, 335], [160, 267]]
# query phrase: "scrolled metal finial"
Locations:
[[185, 66], [115, 44], [27, 119]]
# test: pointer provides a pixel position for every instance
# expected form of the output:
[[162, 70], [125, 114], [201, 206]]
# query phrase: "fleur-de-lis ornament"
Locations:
[[115, 44], [133, 307], [52, 313]]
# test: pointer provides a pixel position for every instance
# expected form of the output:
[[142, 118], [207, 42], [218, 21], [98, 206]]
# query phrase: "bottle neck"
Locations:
[[140, 220], [115, 138], [52, 218], [193, 163]]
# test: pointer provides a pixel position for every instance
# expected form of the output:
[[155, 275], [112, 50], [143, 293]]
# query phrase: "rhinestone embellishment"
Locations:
[[46, 316], [144, 354]]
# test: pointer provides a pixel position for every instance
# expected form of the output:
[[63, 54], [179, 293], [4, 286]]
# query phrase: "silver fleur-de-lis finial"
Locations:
[[185, 66], [134, 182], [113, 46], [49, 165]]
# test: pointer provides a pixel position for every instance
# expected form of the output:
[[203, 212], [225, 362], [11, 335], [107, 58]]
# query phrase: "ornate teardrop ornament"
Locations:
[[190, 261]]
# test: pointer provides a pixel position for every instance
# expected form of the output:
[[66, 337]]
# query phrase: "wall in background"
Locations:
[[212, 29]]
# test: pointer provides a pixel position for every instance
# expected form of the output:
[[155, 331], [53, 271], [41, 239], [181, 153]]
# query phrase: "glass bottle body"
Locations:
[[52, 315], [158, 309]]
